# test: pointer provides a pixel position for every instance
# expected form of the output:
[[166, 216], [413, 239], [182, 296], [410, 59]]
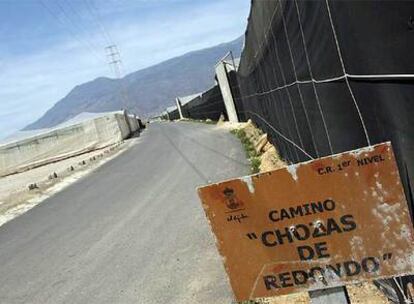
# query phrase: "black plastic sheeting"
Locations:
[[208, 105], [173, 115], [324, 77]]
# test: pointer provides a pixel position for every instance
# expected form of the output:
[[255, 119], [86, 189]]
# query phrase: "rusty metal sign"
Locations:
[[313, 225]]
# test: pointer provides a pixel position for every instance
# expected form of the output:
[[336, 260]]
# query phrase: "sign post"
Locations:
[[316, 225], [335, 295]]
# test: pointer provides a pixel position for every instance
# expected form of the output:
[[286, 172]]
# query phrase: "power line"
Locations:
[[114, 59], [76, 26], [112, 51], [116, 62], [95, 13], [70, 5], [70, 31]]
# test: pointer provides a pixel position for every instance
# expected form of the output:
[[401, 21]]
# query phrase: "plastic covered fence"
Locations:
[[322, 77], [209, 105], [206, 105], [173, 113]]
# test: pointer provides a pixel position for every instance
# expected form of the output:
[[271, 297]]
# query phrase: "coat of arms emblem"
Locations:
[[232, 202]]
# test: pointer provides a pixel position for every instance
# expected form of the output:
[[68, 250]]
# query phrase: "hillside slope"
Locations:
[[148, 91]]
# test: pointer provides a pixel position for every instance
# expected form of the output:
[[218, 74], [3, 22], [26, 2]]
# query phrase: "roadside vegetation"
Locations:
[[251, 153]]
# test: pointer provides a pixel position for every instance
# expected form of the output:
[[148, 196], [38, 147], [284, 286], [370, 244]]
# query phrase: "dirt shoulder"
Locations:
[[22, 191]]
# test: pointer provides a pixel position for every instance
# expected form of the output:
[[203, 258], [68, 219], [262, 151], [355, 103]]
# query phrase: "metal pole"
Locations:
[[337, 295]]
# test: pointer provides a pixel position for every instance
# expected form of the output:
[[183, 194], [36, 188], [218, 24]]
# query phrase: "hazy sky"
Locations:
[[49, 46]]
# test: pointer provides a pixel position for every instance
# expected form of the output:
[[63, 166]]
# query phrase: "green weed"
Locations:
[[251, 153]]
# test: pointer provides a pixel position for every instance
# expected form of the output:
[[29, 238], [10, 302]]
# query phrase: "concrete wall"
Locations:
[[58, 143], [133, 122]]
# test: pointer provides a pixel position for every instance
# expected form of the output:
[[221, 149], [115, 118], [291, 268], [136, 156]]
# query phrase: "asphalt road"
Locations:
[[133, 231]]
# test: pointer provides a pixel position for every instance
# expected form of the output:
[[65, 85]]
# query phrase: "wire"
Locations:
[[79, 17], [280, 96], [281, 135], [74, 25], [95, 13], [318, 102], [344, 71], [70, 31]]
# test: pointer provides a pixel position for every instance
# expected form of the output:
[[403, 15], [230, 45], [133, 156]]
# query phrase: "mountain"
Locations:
[[147, 91]]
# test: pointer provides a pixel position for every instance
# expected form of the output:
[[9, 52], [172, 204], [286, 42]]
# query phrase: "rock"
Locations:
[[53, 176], [260, 143], [251, 131], [33, 186], [267, 146], [270, 160]]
